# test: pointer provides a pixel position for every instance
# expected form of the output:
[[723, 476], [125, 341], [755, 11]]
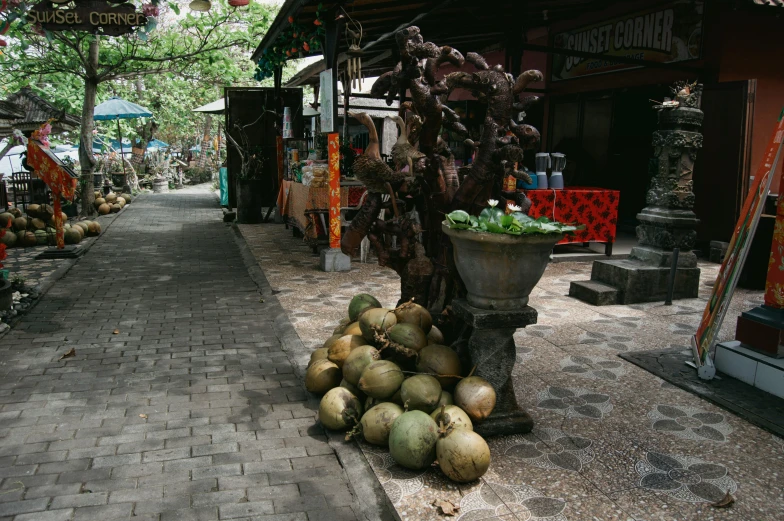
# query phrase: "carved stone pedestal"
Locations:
[[488, 344]]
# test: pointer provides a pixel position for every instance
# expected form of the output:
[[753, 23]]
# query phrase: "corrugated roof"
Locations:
[[35, 112], [10, 110], [773, 3]]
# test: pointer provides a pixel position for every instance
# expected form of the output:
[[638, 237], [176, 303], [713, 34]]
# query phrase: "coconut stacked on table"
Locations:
[[386, 375], [37, 228]]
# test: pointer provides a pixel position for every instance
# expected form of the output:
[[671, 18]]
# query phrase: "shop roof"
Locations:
[[35, 112], [467, 24]]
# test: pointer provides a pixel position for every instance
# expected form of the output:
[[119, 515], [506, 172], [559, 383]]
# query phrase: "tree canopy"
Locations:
[[184, 62]]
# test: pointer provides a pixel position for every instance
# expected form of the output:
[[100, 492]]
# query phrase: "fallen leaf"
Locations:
[[71, 352], [116, 332], [261, 300], [446, 507], [143, 416], [724, 502]]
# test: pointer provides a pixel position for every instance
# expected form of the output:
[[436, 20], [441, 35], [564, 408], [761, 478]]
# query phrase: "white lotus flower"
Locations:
[[513, 207], [492, 203]]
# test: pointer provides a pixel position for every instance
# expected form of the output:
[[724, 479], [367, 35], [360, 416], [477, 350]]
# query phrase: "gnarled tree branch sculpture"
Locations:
[[420, 254]]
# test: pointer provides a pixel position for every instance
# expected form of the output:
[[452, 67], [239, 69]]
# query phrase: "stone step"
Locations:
[[593, 292]]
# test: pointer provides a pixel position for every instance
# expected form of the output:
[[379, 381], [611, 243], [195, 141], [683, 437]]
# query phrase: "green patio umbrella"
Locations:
[[118, 108]]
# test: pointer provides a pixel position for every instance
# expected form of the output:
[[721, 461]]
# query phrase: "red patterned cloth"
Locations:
[[596, 208]]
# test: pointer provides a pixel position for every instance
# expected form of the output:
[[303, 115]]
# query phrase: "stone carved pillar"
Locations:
[[668, 221]]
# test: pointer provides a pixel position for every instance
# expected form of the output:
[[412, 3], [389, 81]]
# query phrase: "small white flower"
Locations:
[[492, 203], [513, 207]]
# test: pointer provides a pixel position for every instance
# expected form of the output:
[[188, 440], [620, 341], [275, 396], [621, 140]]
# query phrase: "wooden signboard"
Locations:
[[93, 16]]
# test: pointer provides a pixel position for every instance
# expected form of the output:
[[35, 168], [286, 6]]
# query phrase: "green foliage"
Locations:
[[293, 41], [494, 220], [185, 62]]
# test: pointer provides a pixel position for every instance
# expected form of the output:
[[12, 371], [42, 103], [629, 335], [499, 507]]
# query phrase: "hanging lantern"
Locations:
[[238, 3], [200, 5]]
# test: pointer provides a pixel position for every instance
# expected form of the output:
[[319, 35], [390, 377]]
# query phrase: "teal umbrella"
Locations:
[[117, 108]]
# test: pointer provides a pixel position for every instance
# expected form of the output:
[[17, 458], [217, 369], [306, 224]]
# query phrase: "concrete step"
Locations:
[[593, 292]]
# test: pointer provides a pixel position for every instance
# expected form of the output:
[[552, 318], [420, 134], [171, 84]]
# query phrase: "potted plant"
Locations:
[[250, 184], [501, 257]]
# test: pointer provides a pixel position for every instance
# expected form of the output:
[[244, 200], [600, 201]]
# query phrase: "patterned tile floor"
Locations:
[[611, 442]]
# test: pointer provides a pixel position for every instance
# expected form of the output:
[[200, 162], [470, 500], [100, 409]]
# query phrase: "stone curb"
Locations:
[[46, 284], [371, 500]]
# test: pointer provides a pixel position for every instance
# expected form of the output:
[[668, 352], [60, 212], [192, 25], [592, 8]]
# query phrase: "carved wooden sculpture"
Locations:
[[437, 188]]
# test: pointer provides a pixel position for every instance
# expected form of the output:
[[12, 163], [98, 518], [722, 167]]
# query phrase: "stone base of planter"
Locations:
[[160, 186], [489, 345]]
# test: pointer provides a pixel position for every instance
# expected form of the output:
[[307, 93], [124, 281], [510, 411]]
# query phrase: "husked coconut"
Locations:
[[322, 376], [463, 455], [339, 409], [377, 422], [339, 351], [476, 397]]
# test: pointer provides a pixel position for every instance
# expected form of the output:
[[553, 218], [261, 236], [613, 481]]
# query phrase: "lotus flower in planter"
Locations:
[[500, 256]]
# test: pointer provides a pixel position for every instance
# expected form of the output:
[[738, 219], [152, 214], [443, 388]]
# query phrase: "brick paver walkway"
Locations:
[[180, 403]]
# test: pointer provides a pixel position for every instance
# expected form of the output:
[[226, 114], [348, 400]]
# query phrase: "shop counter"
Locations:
[[596, 208], [306, 208]]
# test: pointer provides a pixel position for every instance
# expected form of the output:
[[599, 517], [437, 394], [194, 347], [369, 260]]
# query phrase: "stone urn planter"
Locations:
[[249, 201], [160, 185], [500, 270]]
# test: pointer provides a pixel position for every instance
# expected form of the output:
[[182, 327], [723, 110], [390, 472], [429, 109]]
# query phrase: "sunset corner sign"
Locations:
[[94, 16]]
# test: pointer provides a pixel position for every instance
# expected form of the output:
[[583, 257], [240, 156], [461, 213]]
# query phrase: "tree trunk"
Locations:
[[205, 141], [86, 132]]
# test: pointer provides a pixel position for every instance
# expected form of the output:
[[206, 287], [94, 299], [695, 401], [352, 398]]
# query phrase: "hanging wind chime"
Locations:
[[354, 53]]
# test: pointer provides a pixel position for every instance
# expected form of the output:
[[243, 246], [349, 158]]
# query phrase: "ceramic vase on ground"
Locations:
[[499, 270]]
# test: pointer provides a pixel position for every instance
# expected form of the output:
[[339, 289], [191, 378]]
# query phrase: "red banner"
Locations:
[[333, 148]]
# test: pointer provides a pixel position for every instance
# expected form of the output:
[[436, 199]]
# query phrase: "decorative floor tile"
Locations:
[[494, 500], [593, 367], [547, 448], [690, 423], [684, 478], [575, 402]]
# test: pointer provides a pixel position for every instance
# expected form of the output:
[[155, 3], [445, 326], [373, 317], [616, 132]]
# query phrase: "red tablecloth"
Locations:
[[596, 208]]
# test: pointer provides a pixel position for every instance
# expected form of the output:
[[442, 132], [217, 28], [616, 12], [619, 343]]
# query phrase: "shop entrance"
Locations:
[[606, 137]]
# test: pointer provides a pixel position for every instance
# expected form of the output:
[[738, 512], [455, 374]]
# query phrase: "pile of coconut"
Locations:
[[111, 202], [37, 228], [421, 405]]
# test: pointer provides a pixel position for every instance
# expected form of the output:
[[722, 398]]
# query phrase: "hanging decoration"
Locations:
[[354, 60], [295, 41]]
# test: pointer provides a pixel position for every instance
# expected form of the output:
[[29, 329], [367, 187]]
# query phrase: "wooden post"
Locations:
[[333, 148], [279, 148]]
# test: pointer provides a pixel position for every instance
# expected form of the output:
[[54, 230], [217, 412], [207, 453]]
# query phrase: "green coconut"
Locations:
[[446, 399], [360, 303], [420, 393], [99, 201], [5, 219], [33, 210], [396, 398], [353, 388], [352, 329], [20, 223], [412, 440], [37, 224], [340, 349], [128, 198], [407, 335], [115, 208], [331, 340], [476, 397], [9, 239], [356, 362], [93, 229], [376, 318], [322, 376], [111, 197], [339, 409], [434, 336], [377, 422], [72, 236], [121, 202], [16, 212], [104, 209], [46, 213], [463, 455], [83, 225], [318, 354], [341, 326], [380, 379], [412, 313], [452, 415], [41, 238], [28, 239], [441, 362], [371, 402]]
